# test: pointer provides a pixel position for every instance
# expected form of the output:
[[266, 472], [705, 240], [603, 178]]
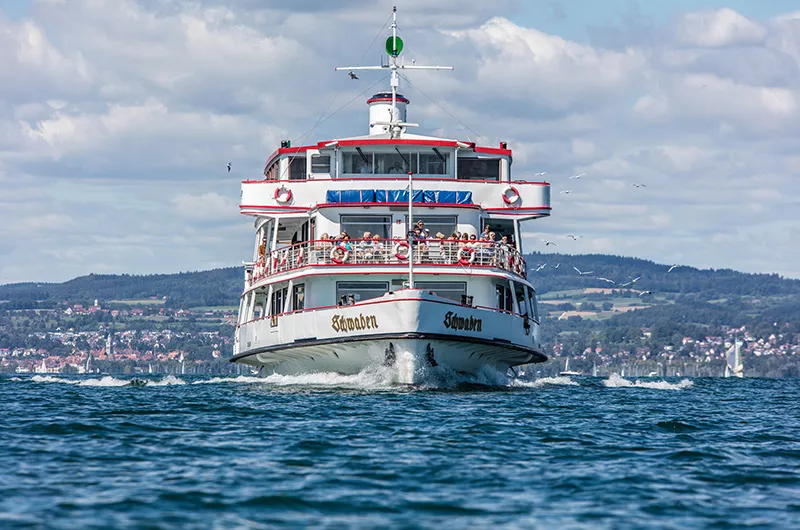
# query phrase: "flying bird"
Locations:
[[574, 238], [557, 265], [566, 192], [642, 293], [578, 176], [540, 174], [229, 167], [540, 267], [352, 74], [634, 280], [670, 269], [582, 273], [548, 243], [639, 186], [606, 280]]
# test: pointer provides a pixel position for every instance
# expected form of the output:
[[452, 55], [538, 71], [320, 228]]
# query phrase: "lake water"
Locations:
[[334, 451]]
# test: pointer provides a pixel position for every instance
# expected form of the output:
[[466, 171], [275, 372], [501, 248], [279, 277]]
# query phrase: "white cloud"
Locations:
[[720, 27], [117, 119]]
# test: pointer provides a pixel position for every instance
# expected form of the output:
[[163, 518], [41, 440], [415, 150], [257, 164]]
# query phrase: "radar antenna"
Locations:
[[394, 45]]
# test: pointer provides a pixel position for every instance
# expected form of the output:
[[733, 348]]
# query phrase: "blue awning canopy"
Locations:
[[397, 196]]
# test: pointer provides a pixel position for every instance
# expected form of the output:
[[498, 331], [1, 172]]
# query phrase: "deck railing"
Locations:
[[389, 252]]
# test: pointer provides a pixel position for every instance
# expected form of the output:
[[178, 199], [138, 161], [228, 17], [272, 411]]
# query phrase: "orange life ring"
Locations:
[[511, 196], [282, 194], [466, 261], [398, 246], [345, 254], [284, 257]]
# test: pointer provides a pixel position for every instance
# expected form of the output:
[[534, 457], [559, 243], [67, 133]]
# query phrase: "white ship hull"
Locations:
[[413, 330]]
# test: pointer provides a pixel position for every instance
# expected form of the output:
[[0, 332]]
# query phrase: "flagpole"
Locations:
[[410, 232]]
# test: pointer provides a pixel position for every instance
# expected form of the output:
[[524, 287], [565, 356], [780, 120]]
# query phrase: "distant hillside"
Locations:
[[222, 287], [218, 287], [706, 283]]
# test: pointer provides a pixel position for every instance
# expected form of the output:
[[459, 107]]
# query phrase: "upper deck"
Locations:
[[373, 171]]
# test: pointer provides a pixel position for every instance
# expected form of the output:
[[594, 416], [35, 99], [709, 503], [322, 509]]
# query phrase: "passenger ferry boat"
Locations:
[[389, 249]]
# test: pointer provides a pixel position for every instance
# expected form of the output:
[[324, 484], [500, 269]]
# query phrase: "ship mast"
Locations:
[[394, 45]]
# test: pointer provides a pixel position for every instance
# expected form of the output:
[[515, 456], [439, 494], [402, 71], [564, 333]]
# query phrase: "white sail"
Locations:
[[733, 361]]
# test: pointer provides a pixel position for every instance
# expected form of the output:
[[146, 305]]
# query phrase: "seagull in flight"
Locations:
[[582, 273], [578, 177], [548, 243], [566, 192], [352, 74], [642, 293], [634, 280], [557, 265], [574, 238], [606, 280], [540, 267], [229, 167], [540, 174], [639, 186], [670, 269]]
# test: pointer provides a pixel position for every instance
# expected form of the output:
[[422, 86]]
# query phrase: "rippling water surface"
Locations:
[[334, 451]]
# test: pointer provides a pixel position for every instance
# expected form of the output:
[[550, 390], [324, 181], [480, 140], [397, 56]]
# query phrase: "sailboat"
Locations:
[[567, 371], [594, 369], [733, 360]]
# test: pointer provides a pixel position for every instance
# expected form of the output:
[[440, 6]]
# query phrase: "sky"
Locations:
[[118, 117]]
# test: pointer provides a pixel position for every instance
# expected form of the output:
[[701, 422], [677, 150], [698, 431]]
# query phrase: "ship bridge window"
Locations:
[[395, 163], [320, 163], [297, 168], [449, 290], [356, 225], [358, 291], [434, 163], [534, 305], [504, 300], [359, 162], [519, 293], [479, 168]]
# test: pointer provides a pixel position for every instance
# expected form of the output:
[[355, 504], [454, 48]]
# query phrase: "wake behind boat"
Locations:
[[390, 248]]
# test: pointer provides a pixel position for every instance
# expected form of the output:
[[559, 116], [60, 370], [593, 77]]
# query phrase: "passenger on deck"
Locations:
[[396, 168], [262, 248]]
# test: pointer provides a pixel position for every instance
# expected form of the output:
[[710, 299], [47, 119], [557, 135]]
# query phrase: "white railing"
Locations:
[[389, 252]]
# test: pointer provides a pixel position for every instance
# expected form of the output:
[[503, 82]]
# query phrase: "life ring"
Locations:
[[274, 260], [282, 194], [511, 196], [398, 246], [466, 260], [284, 257], [300, 255], [334, 256]]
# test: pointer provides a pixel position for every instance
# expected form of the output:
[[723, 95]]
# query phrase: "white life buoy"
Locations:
[[284, 258], [469, 259], [300, 255], [398, 246], [335, 256], [511, 196], [282, 194]]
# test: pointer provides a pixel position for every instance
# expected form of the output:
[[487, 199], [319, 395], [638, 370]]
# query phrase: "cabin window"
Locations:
[[504, 300], [534, 306], [449, 290], [479, 168], [272, 172], [278, 300], [395, 163], [434, 164], [356, 225], [297, 168], [519, 294], [446, 224], [299, 297], [358, 291], [360, 163], [320, 163]]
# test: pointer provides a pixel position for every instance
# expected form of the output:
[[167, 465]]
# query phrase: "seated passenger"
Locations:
[[366, 251], [396, 168]]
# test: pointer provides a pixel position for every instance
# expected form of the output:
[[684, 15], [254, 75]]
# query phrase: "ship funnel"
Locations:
[[380, 112]]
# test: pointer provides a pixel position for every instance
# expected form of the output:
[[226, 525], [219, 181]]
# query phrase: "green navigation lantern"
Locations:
[[394, 45]]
